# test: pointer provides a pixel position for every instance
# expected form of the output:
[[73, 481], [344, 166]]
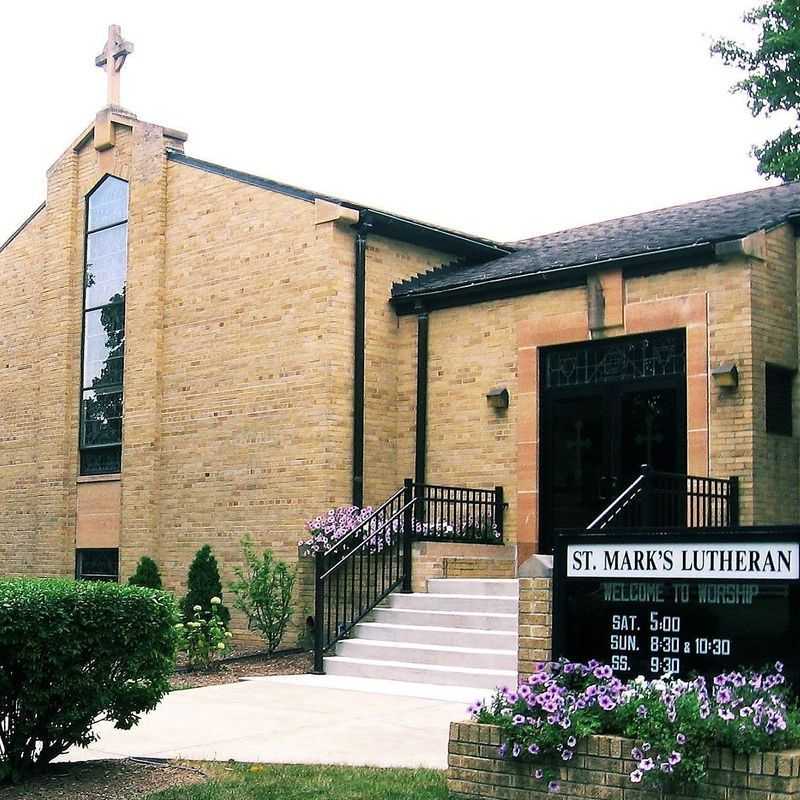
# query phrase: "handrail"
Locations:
[[354, 531], [367, 540], [673, 500], [617, 502], [373, 559]]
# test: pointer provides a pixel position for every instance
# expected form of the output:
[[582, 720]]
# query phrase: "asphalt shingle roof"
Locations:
[[707, 221]]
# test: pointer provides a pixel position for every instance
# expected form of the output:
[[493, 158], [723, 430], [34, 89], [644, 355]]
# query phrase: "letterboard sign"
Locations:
[[684, 603]]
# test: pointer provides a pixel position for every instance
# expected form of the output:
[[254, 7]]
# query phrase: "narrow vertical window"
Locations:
[[104, 328], [778, 399]]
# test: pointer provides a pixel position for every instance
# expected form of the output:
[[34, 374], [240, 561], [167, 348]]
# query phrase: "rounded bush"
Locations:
[[73, 653]]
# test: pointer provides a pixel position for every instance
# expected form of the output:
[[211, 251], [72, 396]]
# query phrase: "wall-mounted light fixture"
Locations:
[[497, 397], [726, 375]]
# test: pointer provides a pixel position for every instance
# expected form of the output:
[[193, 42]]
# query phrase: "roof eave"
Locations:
[[392, 226], [544, 280]]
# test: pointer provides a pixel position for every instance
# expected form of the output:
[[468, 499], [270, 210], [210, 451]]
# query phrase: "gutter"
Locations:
[[358, 359], [544, 280]]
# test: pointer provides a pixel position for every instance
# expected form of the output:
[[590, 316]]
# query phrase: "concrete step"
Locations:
[[419, 673], [449, 619], [454, 602], [494, 587], [441, 635], [437, 655]]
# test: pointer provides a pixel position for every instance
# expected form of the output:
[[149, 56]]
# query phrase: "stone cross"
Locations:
[[111, 60]]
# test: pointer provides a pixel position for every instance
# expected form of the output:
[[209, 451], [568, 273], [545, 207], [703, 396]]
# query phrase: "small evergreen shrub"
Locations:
[[263, 592], [203, 584], [203, 640], [146, 574], [73, 653]]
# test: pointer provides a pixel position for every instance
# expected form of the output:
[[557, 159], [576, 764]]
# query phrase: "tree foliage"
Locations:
[[146, 574], [203, 584], [263, 592], [772, 80]]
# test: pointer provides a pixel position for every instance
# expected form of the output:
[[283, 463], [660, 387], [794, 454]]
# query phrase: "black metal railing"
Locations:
[[362, 568], [456, 514], [669, 500]]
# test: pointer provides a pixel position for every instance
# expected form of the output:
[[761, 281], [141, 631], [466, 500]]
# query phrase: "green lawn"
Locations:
[[293, 782]]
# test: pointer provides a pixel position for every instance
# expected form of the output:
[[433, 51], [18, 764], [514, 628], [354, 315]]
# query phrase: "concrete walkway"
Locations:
[[302, 719]]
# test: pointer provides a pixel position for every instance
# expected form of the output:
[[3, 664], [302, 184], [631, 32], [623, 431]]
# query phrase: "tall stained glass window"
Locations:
[[104, 328]]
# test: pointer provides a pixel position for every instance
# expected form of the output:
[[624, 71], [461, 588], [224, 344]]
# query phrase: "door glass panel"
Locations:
[[578, 429], [649, 422]]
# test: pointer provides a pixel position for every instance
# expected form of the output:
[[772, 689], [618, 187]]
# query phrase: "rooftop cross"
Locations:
[[111, 60]]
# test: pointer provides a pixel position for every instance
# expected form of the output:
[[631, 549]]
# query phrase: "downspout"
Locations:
[[422, 397], [358, 363]]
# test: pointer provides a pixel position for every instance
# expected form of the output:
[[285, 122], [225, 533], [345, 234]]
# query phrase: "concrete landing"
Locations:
[[304, 719]]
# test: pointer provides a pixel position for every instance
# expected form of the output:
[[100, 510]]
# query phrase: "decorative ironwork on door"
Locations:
[[658, 355]]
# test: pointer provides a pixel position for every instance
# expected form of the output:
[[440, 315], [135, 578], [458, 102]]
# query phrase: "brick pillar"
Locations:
[[535, 624]]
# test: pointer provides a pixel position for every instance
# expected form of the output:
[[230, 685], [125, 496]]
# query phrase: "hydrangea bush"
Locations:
[[328, 529], [673, 722], [203, 640]]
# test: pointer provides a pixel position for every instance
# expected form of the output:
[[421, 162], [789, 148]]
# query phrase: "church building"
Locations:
[[190, 354]]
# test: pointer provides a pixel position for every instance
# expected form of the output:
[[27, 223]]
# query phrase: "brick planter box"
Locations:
[[600, 770]]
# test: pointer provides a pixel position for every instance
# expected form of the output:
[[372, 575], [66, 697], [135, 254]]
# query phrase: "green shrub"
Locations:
[[203, 640], [203, 584], [264, 593], [146, 574], [73, 653]]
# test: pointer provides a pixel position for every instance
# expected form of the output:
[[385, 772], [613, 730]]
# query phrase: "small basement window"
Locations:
[[779, 399], [97, 564]]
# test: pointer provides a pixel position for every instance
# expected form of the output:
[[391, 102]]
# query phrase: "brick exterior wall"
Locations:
[[238, 372], [535, 627], [451, 560], [600, 769], [774, 314]]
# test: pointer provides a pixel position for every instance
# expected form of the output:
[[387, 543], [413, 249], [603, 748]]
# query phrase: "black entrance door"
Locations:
[[607, 408]]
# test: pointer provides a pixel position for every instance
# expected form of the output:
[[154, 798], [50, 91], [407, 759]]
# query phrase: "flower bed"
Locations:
[[671, 725], [328, 529], [600, 768]]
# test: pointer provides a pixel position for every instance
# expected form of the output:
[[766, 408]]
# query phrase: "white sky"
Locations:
[[504, 119]]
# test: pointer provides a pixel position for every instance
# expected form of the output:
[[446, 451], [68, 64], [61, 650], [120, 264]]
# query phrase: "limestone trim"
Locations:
[[688, 311]]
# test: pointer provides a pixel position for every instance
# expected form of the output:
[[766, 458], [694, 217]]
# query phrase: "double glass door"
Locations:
[[594, 439]]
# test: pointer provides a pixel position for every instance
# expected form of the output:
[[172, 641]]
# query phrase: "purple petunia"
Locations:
[[680, 738], [636, 776]]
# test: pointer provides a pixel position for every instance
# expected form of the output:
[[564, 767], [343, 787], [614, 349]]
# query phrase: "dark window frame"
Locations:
[[81, 575], [778, 400], [106, 458]]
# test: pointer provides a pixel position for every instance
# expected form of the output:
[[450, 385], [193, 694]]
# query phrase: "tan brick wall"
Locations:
[[387, 262], [535, 630], [24, 503], [41, 280], [600, 769], [471, 350], [453, 560], [774, 314]]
